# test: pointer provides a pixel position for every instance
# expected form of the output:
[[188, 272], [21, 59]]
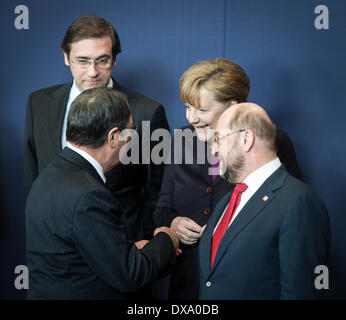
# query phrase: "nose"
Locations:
[[92, 70], [193, 116]]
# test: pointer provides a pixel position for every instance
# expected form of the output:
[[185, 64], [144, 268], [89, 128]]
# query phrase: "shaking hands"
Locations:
[[172, 235], [182, 229]]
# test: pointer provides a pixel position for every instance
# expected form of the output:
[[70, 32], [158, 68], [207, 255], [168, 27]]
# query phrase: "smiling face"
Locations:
[[205, 116], [90, 49]]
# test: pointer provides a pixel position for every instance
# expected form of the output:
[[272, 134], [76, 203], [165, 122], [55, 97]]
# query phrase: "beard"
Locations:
[[233, 171]]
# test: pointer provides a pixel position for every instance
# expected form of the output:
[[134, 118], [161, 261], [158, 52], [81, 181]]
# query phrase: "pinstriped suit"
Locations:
[[76, 243]]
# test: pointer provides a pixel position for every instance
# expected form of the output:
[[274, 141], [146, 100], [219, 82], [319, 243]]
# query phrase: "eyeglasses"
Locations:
[[102, 63], [217, 139]]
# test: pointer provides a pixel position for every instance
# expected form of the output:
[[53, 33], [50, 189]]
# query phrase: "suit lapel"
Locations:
[[217, 179], [195, 156], [252, 208], [264, 195], [59, 102], [205, 245], [116, 85]]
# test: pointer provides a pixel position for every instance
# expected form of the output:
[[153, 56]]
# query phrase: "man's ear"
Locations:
[[248, 140], [67, 62], [112, 138]]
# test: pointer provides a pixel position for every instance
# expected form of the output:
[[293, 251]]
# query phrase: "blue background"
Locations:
[[297, 73]]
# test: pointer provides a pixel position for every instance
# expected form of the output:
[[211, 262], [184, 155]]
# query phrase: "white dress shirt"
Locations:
[[74, 93], [253, 181], [90, 159]]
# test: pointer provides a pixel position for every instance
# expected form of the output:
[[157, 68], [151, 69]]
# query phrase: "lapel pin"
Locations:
[[265, 198]]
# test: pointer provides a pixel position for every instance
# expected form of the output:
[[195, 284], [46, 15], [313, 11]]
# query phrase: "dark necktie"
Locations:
[[226, 219]]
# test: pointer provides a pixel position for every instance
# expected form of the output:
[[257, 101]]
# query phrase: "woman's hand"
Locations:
[[187, 230]]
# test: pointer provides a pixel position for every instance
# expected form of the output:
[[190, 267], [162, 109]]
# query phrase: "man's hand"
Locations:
[[187, 230], [172, 235], [141, 243]]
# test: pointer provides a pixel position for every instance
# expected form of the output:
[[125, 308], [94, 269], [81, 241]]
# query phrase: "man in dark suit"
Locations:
[[264, 239], [76, 243], [90, 48]]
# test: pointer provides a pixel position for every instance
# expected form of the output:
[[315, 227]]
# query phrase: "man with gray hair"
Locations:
[[76, 243], [266, 237]]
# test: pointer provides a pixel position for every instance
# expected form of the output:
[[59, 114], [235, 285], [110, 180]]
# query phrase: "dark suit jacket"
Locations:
[[272, 247], [136, 187], [188, 190], [76, 244]]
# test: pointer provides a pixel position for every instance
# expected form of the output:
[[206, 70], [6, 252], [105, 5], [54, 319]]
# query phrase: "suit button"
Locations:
[[208, 190], [206, 211], [208, 284]]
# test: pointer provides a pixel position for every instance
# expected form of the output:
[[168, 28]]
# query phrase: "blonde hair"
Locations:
[[225, 79]]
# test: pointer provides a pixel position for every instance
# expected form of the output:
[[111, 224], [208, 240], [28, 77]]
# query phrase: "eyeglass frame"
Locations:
[[217, 139], [90, 62]]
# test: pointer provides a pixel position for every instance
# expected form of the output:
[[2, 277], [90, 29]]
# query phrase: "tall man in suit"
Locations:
[[264, 239], [90, 48], [76, 243]]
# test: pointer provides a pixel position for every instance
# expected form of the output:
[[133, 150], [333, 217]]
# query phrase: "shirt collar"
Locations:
[[255, 179], [75, 92], [90, 159]]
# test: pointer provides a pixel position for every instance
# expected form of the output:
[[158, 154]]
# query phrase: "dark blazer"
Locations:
[[188, 190], [76, 244], [136, 187], [272, 247]]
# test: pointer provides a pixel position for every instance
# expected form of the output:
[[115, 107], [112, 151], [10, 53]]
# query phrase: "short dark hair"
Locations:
[[94, 113], [88, 27]]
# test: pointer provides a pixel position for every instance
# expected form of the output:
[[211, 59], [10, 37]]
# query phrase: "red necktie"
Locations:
[[226, 219]]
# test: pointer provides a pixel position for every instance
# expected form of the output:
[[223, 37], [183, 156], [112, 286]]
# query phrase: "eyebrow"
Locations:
[[98, 58], [197, 107]]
